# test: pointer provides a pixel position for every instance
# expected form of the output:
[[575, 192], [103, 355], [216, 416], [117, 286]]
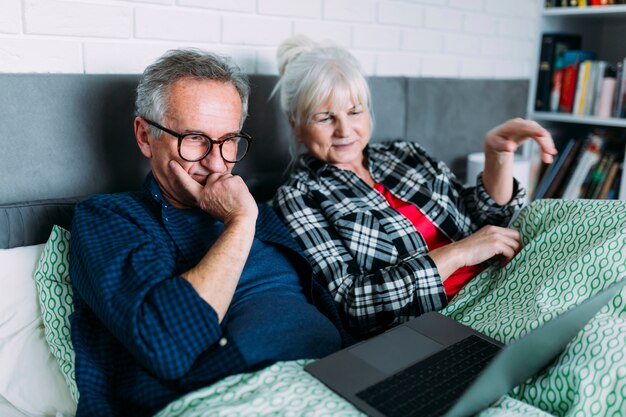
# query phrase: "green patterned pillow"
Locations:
[[56, 300]]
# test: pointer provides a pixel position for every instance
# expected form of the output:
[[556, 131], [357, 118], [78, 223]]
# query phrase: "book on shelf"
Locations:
[[610, 179], [546, 178], [571, 63], [569, 154], [535, 169], [582, 87], [619, 89], [620, 188], [596, 77], [589, 157], [581, 3], [619, 101], [553, 173], [553, 46], [604, 101], [596, 177]]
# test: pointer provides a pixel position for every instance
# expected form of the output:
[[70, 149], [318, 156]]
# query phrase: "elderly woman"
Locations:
[[389, 229]]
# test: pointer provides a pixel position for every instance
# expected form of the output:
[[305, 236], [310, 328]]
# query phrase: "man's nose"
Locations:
[[214, 161]]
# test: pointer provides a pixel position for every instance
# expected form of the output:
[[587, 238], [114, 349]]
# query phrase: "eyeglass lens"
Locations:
[[196, 147]]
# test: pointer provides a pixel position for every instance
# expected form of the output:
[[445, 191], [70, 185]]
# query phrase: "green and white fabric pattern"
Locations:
[[56, 300], [572, 249]]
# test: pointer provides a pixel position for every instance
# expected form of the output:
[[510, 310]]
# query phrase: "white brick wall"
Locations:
[[440, 38]]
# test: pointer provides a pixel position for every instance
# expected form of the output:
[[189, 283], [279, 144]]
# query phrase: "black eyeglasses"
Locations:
[[194, 147]]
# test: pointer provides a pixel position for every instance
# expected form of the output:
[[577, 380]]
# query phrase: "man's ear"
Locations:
[[142, 136]]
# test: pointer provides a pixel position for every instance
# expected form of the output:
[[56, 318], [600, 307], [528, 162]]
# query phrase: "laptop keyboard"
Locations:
[[431, 386]]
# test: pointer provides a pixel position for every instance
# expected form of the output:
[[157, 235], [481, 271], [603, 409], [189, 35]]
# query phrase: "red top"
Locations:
[[434, 239]]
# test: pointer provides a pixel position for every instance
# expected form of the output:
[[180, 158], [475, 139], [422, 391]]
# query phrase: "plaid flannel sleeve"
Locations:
[[371, 301], [475, 202]]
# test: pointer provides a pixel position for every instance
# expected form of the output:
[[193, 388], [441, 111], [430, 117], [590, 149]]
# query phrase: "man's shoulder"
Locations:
[[109, 206], [268, 222], [125, 199], [270, 228]]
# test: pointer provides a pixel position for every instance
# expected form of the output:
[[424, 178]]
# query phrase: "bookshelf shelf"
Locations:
[[601, 30], [616, 12], [585, 120]]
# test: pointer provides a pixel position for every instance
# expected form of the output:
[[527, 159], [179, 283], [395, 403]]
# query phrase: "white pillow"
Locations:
[[30, 379]]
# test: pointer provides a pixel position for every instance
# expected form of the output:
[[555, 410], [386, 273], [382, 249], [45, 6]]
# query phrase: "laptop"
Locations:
[[434, 366]]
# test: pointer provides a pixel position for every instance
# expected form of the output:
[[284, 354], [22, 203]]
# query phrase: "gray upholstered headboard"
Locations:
[[65, 136]]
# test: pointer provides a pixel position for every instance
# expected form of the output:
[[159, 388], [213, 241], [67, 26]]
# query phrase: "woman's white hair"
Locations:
[[311, 73]]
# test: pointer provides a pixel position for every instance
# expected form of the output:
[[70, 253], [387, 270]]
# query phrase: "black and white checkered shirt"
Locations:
[[375, 263]]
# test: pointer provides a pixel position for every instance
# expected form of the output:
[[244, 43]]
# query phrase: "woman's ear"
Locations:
[[142, 136], [295, 129]]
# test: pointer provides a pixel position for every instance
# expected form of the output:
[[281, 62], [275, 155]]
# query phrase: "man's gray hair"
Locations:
[[158, 77]]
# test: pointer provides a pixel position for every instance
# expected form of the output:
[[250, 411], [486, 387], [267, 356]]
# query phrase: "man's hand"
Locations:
[[224, 196]]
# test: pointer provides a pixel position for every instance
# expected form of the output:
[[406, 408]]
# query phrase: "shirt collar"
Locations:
[[152, 189], [318, 167]]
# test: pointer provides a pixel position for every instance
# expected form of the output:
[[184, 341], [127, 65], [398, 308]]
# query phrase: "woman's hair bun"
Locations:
[[291, 48]]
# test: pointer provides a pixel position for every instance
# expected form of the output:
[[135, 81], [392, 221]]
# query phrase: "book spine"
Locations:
[[557, 85], [622, 189], [599, 76], [605, 101], [544, 81], [617, 96], [604, 174], [560, 168], [570, 75], [608, 182], [596, 177], [621, 105], [593, 90], [580, 174], [582, 86], [587, 160]]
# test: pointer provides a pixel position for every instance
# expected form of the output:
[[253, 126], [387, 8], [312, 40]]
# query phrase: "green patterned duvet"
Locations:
[[572, 249]]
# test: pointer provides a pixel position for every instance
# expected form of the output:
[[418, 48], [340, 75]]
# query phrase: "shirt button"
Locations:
[[223, 341]]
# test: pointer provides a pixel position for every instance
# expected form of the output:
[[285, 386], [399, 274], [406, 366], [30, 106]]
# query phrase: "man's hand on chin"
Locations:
[[223, 195], [187, 190]]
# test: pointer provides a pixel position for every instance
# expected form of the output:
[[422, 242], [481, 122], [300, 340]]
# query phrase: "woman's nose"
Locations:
[[342, 127]]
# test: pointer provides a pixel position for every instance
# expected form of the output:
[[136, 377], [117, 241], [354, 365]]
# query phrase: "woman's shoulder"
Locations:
[[298, 181], [399, 148]]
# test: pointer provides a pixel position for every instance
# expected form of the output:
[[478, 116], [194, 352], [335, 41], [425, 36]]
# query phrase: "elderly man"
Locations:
[[188, 280]]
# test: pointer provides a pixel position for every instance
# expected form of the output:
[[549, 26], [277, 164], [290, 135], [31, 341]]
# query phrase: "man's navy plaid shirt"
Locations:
[[376, 265], [142, 335]]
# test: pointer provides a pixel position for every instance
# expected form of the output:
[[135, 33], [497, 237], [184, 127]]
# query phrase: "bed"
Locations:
[[68, 136]]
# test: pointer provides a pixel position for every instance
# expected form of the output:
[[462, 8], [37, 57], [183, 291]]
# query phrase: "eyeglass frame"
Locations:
[[219, 141]]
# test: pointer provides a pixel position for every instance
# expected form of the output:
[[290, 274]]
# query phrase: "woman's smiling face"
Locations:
[[337, 133]]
